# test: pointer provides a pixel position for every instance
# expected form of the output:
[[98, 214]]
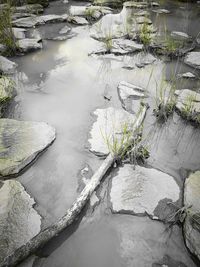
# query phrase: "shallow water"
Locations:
[[62, 85]]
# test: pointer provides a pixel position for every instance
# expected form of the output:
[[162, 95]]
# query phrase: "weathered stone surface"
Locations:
[[140, 190], [193, 59], [110, 3], [188, 100], [135, 4], [192, 221], [28, 45], [6, 92], [186, 75], [108, 128], [30, 8], [161, 11], [7, 66], [180, 35], [77, 20], [30, 22], [93, 12], [19, 33], [19, 221], [21, 142]]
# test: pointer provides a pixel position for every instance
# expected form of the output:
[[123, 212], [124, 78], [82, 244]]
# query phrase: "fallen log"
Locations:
[[47, 234]]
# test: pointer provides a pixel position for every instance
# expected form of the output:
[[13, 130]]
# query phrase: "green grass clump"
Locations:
[[145, 35], [188, 111], [7, 37]]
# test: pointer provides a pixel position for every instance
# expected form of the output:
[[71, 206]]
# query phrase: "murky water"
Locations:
[[62, 85]]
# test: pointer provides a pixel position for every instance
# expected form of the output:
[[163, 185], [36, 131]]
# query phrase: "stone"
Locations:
[[161, 11], [180, 35], [19, 33], [186, 75], [77, 20], [66, 29], [21, 142], [7, 92], [30, 8], [108, 128], [192, 220], [7, 66], [32, 21], [134, 4], [193, 59], [109, 3], [28, 45], [19, 221], [141, 190], [188, 99]]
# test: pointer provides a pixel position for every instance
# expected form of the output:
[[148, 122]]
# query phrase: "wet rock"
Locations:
[[7, 92], [21, 142], [7, 66], [19, 221], [108, 128], [28, 45], [77, 20], [109, 3], [139, 60], [161, 11], [31, 8], [140, 190], [19, 33], [193, 59], [93, 12], [30, 22], [188, 101], [192, 221], [66, 29], [180, 35], [135, 4], [186, 75]]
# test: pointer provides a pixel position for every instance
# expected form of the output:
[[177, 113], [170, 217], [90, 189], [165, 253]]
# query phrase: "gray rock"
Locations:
[[19, 33], [7, 92], [135, 4], [94, 12], [193, 59], [186, 75], [32, 21], [7, 66], [192, 221], [31, 8], [77, 20], [28, 45], [180, 35], [188, 100], [161, 11], [21, 142], [108, 129], [19, 221], [139, 190], [66, 29]]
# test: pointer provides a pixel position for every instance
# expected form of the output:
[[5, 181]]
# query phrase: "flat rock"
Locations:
[[193, 59], [19, 221], [7, 92], [135, 4], [28, 45], [188, 99], [77, 20], [141, 190], [192, 221], [161, 11], [30, 8], [94, 12], [7, 66], [108, 128], [186, 75], [180, 35], [21, 142], [19, 33]]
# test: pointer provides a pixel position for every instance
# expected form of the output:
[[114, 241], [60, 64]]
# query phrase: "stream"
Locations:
[[62, 85]]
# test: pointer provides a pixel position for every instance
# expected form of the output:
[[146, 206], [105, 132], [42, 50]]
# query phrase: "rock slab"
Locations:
[[21, 142]]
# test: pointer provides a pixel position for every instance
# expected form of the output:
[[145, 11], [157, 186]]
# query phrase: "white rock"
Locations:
[[187, 75], [193, 59], [140, 190]]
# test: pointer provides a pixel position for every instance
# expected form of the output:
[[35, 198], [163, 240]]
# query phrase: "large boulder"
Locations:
[[7, 92], [142, 191], [21, 142], [19, 221], [192, 205]]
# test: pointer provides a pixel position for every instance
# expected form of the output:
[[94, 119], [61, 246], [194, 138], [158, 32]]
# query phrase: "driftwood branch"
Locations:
[[46, 235]]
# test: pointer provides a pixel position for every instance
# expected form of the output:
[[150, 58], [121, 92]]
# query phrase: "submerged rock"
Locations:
[[7, 66], [108, 129], [193, 59], [192, 220], [141, 191], [19, 221], [7, 92], [28, 45], [21, 142]]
